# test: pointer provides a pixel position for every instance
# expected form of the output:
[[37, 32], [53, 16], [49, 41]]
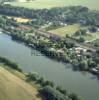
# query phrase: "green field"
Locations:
[[67, 30], [40, 4], [13, 88]]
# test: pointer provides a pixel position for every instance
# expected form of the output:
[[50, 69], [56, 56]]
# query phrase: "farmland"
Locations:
[[40, 4], [19, 90]]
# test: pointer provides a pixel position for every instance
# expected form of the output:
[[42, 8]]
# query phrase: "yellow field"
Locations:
[[13, 88], [20, 20], [67, 30]]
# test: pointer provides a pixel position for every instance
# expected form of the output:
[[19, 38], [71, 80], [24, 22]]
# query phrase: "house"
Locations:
[[60, 51], [78, 50], [63, 24]]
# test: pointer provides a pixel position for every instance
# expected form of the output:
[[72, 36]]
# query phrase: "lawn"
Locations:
[[67, 30], [40, 4]]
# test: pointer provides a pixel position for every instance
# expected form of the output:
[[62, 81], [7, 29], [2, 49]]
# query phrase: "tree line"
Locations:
[[10, 64], [72, 14]]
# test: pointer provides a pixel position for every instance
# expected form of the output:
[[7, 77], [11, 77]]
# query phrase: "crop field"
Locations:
[[67, 30], [13, 88], [40, 4], [19, 19]]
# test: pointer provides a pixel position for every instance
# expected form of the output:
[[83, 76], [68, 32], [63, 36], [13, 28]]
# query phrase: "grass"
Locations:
[[67, 30], [40, 4], [13, 88]]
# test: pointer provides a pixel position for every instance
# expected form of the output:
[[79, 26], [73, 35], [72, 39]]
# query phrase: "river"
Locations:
[[84, 84]]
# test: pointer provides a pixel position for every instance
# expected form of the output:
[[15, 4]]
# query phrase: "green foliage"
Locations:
[[63, 91], [81, 39], [74, 97], [83, 65], [66, 14], [80, 32], [52, 94], [10, 64]]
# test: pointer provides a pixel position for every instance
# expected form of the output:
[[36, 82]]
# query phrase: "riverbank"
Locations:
[[58, 56]]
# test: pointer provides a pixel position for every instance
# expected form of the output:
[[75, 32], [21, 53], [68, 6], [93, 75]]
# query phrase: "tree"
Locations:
[[91, 63], [52, 94], [96, 60], [93, 29], [75, 97], [80, 32], [81, 39], [32, 77], [63, 91], [83, 65], [48, 83]]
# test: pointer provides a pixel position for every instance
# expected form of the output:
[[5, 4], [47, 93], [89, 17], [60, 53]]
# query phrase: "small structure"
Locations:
[[63, 24], [79, 49], [60, 51], [87, 31], [95, 71]]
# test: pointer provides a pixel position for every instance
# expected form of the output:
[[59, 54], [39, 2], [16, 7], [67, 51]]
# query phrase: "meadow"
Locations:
[[40, 4], [66, 30]]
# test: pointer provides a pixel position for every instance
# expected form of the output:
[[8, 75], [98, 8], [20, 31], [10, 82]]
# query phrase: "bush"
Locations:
[[74, 97], [81, 39], [52, 94]]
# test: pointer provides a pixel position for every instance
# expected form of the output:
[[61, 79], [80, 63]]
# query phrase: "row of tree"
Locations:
[[73, 14], [9, 63], [49, 90]]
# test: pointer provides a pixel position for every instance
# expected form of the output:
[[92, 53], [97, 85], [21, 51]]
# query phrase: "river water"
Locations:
[[84, 84]]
